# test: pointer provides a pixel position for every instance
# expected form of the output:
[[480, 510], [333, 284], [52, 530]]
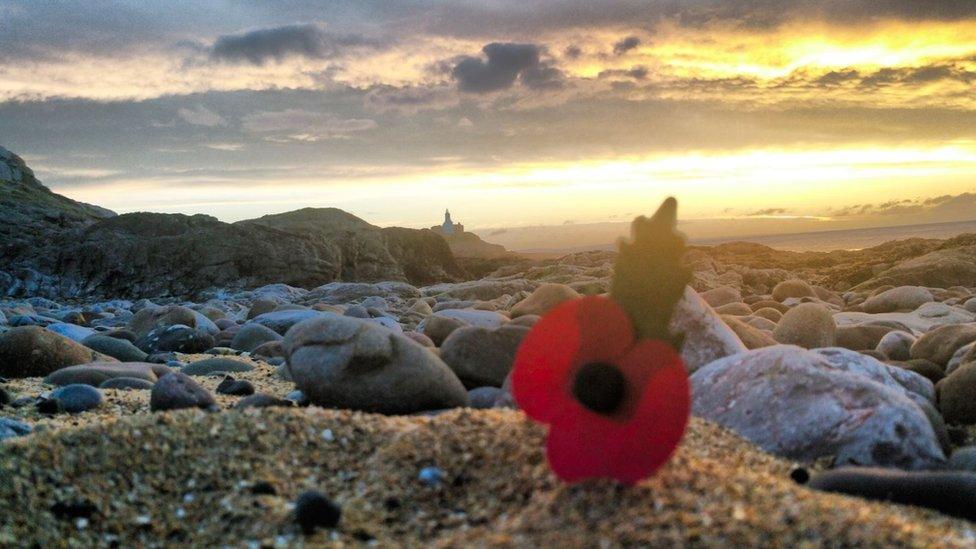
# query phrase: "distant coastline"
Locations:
[[816, 241]]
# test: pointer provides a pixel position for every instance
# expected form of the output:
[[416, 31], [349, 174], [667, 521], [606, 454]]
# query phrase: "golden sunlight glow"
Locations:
[[807, 182]]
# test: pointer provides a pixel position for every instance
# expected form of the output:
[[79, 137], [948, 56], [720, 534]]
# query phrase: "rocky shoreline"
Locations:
[[310, 378], [236, 389]]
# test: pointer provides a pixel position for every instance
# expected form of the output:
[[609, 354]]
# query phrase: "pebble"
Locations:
[[32, 351], [925, 368], [437, 328], [119, 349], [251, 336], [127, 384], [809, 325], [957, 395], [545, 298], [77, 398], [902, 298], [210, 366], [178, 390], [769, 313], [176, 338], [794, 288], [963, 459], [96, 373], [344, 362], [262, 400], [480, 356], [5, 397], [483, 398], [896, 345], [722, 295], [357, 311], [10, 428], [431, 476], [313, 510], [860, 338], [235, 387], [941, 343], [952, 493]]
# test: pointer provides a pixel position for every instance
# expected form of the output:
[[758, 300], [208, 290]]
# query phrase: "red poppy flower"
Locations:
[[617, 406]]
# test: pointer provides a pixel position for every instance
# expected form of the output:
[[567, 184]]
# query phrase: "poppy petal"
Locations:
[[589, 445], [578, 331], [653, 432]]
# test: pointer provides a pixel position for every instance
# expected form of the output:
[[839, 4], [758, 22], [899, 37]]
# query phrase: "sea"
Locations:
[[849, 239]]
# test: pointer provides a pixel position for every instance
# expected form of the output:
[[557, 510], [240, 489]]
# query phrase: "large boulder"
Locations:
[[32, 351], [914, 386], [344, 362], [902, 298], [797, 404]]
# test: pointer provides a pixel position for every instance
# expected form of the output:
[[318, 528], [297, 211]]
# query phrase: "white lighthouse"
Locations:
[[449, 226]]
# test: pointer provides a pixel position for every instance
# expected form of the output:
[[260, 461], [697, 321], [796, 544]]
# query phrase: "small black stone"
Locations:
[[392, 503], [601, 387], [235, 387], [363, 536], [5, 397], [800, 475], [49, 406], [262, 400], [314, 510], [263, 488], [73, 510]]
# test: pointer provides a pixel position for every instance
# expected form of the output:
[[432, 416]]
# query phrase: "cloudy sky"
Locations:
[[510, 113]]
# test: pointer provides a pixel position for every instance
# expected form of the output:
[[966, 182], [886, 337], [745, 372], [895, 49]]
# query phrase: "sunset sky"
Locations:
[[510, 113]]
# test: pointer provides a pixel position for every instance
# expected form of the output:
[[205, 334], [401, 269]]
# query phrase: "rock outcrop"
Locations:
[[55, 247]]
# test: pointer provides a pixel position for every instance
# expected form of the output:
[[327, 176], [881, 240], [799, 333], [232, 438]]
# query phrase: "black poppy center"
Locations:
[[600, 387]]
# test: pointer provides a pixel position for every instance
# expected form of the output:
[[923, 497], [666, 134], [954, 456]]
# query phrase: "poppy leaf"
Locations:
[[649, 277]]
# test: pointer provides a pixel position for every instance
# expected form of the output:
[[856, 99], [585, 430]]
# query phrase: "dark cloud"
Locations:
[[502, 65], [39, 29], [263, 45], [835, 78], [625, 45], [945, 207], [542, 77], [573, 52], [637, 73], [768, 212]]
